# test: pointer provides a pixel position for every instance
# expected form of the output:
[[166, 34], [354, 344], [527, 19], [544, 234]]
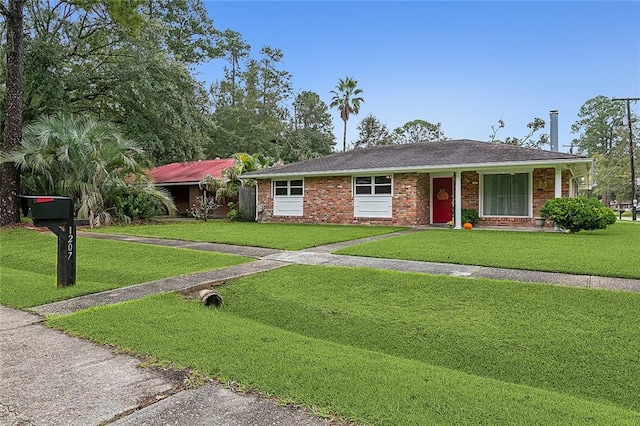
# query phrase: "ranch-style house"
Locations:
[[420, 184]]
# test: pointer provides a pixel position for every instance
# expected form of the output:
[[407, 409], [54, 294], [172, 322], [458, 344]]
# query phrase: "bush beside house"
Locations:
[[576, 214]]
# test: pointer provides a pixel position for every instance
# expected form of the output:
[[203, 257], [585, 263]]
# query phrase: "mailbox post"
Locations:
[[56, 213]]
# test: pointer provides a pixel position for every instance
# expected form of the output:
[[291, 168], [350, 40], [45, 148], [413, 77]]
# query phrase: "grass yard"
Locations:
[[384, 347], [613, 252], [29, 259], [270, 235]]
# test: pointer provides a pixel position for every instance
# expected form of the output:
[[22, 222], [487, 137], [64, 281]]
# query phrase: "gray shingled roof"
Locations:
[[427, 155]]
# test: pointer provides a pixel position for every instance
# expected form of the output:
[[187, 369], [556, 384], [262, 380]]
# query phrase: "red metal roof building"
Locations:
[[181, 180], [192, 172]]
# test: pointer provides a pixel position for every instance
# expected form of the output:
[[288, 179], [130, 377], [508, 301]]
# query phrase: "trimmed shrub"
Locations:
[[577, 214], [129, 203]]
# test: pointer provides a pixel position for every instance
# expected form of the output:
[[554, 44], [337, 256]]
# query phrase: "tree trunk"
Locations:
[[344, 137], [9, 201]]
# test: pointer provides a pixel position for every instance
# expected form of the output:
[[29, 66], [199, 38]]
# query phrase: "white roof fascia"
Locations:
[[430, 169]]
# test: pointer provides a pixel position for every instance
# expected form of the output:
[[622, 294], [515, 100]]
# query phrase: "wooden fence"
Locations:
[[247, 202]]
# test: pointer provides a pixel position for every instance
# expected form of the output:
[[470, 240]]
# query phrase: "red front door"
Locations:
[[442, 200]]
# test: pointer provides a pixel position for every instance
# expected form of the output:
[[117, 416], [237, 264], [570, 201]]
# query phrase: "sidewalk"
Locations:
[[48, 377]]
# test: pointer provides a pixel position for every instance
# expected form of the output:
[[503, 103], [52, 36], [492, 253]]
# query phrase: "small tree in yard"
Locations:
[[212, 192], [576, 214], [86, 159]]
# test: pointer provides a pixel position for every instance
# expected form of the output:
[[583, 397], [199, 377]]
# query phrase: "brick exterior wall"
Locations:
[[264, 202], [326, 200], [423, 204], [330, 199], [470, 190], [410, 199]]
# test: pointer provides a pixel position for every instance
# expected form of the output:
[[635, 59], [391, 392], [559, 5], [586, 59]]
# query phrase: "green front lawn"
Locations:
[[384, 347], [270, 235], [28, 266], [613, 252]]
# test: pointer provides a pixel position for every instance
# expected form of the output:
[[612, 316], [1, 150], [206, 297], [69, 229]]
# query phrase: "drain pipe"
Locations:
[[210, 298]]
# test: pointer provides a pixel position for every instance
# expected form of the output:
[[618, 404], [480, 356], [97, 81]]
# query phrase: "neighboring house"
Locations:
[[419, 184], [182, 179]]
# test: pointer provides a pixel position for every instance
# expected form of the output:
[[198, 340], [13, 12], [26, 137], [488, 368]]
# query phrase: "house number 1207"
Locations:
[[70, 246]]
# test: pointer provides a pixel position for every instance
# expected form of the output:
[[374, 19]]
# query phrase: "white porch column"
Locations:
[[558, 187], [458, 200]]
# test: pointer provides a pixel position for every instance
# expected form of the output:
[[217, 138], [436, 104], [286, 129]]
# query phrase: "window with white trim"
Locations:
[[373, 196], [506, 194], [288, 197], [287, 187], [373, 185]]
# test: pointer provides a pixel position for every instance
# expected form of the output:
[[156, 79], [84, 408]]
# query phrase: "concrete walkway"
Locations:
[[165, 285], [322, 256], [587, 281], [220, 248], [50, 378]]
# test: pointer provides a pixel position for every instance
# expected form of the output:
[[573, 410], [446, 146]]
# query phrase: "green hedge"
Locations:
[[576, 214]]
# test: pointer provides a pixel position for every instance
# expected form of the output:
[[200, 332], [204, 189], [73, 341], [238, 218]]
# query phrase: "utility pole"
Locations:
[[634, 196]]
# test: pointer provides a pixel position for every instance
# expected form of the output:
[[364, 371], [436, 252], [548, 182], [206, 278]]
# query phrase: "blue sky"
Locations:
[[463, 64]]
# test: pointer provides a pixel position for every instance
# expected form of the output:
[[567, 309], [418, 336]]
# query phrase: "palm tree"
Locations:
[[346, 99], [85, 159]]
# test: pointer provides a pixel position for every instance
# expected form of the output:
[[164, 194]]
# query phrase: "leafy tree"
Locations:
[[234, 49], [612, 175], [118, 12], [252, 109], [534, 126], [74, 51], [169, 114], [418, 131], [250, 115], [188, 35], [612, 172], [274, 84], [372, 133], [602, 134], [347, 100], [598, 127], [310, 133], [84, 159], [73, 56]]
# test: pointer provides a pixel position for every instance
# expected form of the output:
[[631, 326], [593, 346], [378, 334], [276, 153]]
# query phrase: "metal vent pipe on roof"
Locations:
[[553, 133]]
